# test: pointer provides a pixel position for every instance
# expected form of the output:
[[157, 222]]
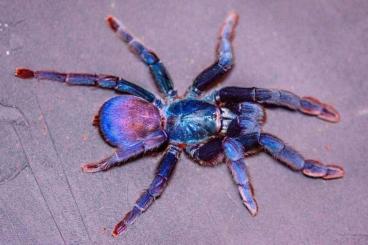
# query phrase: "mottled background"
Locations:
[[310, 47]]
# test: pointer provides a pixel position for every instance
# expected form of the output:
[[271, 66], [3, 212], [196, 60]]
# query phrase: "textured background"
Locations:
[[310, 47]]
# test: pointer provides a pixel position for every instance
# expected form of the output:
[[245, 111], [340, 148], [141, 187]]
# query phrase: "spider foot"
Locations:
[[95, 167], [228, 28], [113, 23], [24, 73], [249, 202], [315, 169], [96, 120], [129, 218], [102, 165], [312, 106], [119, 228]]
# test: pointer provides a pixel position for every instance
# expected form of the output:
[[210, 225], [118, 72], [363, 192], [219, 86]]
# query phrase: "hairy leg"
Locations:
[[247, 126], [251, 117], [86, 79], [306, 105], [156, 188], [124, 154], [286, 154], [207, 154], [234, 152], [157, 68], [224, 59]]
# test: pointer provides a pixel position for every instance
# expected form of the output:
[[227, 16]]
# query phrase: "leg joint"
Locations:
[[271, 143]]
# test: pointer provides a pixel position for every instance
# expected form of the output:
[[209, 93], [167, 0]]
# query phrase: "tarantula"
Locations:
[[222, 126]]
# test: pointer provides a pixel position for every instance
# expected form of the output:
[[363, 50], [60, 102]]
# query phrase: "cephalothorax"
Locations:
[[221, 126]]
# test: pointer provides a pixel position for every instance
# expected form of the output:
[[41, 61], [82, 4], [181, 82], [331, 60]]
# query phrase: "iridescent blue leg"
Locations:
[[223, 62], [124, 154], [207, 154], [234, 152], [99, 80], [157, 68], [247, 127], [286, 154], [307, 105], [156, 188], [251, 117]]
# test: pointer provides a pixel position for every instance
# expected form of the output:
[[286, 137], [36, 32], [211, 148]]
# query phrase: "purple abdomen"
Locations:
[[127, 119]]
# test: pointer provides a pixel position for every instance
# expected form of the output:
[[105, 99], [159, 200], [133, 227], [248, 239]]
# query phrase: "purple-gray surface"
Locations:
[[317, 48]]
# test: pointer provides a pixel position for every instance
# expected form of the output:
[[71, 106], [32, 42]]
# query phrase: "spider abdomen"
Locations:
[[127, 119], [192, 121]]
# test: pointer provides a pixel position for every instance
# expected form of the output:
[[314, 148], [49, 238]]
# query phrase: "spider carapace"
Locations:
[[220, 126]]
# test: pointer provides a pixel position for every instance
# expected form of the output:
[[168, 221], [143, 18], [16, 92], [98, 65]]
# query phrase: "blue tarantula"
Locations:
[[222, 126]]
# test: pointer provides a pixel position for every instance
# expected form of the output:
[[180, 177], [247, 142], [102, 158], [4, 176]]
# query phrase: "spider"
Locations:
[[222, 126]]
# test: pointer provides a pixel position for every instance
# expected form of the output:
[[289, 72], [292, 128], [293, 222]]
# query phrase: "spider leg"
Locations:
[[306, 105], [126, 153], [247, 127], [118, 157], [251, 117], [286, 154], [157, 68], [156, 188], [99, 80], [234, 152], [207, 154], [223, 62]]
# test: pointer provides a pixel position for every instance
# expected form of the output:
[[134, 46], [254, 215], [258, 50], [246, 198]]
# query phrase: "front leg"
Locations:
[[294, 160], [224, 61], [306, 105], [156, 188]]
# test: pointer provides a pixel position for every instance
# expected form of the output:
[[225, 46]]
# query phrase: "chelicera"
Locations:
[[220, 126]]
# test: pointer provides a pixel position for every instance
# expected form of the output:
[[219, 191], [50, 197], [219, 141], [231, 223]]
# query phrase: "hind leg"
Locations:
[[120, 156], [161, 76], [124, 154], [86, 79], [285, 154]]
